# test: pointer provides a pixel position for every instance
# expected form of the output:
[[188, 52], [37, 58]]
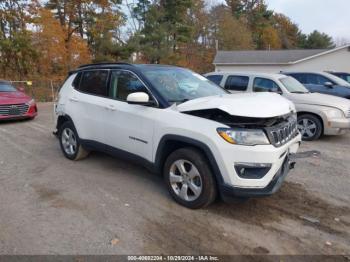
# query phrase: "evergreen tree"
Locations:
[[317, 40]]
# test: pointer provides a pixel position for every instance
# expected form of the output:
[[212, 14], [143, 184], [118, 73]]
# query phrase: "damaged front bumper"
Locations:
[[229, 193]]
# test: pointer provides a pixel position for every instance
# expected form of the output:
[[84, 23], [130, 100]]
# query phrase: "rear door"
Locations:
[[87, 104]]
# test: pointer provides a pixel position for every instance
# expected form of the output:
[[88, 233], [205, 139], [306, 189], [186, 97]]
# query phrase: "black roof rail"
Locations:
[[104, 64]]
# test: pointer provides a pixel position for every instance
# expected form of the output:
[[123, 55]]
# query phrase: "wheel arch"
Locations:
[[170, 143], [63, 119], [315, 115]]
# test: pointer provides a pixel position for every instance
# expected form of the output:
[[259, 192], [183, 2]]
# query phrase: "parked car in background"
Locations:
[[317, 113], [322, 82], [203, 140], [15, 104], [342, 75]]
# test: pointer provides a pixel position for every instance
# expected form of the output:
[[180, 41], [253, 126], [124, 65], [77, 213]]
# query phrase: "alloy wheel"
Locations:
[[69, 141], [307, 127], [185, 180]]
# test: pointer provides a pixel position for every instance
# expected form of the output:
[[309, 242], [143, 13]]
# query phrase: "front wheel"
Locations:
[[70, 143], [189, 178], [310, 127]]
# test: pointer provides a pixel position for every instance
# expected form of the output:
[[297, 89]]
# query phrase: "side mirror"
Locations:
[[138, 98], [328, 84]]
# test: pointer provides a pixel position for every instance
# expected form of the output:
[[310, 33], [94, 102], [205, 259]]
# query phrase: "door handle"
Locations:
[[111, 107], [74, 99]]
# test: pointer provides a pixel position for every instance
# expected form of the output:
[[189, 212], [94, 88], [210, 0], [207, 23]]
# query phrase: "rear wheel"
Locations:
[[310, 127], [189, 178], [70, 143]]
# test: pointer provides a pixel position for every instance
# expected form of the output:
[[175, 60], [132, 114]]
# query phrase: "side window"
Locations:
[[237, 83], [265, 85], [215, 79], [300, 77], [94, 82], [124, 83], [317, 79], [76, 80]]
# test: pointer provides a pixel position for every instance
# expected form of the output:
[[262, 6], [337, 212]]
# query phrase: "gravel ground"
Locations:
[[103, 205]]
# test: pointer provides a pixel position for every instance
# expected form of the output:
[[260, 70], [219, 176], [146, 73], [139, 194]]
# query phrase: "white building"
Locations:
[[337, 59]]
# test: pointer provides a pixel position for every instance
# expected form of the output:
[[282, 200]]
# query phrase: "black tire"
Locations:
[[207, 181], [79, 152], [314, 133]]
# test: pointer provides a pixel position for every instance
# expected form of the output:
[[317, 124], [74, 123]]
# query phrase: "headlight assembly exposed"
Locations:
[[243, 136]]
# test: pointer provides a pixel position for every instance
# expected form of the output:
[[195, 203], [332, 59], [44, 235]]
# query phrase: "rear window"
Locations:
[[93, 82], [215, 78], [237, 83], [76, 81]]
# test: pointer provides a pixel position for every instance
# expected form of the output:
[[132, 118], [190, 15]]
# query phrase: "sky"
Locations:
[[329, 16]]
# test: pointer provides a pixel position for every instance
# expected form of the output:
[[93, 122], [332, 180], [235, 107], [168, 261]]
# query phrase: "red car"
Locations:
[[15, 104]]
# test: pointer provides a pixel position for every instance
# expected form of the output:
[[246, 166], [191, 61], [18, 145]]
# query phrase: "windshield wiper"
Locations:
[[300, 92]]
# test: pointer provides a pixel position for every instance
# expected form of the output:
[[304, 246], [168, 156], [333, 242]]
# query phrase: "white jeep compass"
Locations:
[[205, 141]]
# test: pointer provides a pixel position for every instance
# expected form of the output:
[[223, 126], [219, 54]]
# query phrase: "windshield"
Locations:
[[343, 76], [293, 85], [7, 87], [337, 80], [180, 85]]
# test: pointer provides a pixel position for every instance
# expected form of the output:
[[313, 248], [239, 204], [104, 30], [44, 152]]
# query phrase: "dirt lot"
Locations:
[[102, 205]]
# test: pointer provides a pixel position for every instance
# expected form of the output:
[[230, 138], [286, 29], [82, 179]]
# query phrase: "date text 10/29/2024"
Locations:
[[173, 258]]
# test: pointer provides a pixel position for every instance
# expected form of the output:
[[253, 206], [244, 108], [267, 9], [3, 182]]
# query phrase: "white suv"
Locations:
[[205, 141]]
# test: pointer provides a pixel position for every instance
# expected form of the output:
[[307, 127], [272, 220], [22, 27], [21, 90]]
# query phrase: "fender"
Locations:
[[159, 157], [64, 116]]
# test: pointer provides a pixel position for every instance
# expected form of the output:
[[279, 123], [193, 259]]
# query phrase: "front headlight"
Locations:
[[334, 113], [31, 102], [244, 136]]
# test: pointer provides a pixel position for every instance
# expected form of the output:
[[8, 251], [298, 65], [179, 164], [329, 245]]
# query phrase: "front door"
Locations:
[[129, 127]]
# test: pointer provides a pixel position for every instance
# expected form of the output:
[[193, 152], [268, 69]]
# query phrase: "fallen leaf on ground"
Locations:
[[114, 241]]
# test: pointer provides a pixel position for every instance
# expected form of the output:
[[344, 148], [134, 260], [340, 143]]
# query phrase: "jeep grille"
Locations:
[[282, 133]]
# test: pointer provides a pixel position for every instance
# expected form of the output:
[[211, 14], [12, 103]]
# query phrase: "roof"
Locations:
[[270, 57], [111, 65]]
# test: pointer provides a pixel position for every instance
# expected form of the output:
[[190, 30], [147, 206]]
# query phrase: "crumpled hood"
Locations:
[[321, 100], [258, 105], [13, 98]]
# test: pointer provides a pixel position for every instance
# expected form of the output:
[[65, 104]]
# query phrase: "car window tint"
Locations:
[[317, 79], [264, 85], [215, 78], [300, 77], [76, 80], [124, 83], [237, 83], [94, 82]]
